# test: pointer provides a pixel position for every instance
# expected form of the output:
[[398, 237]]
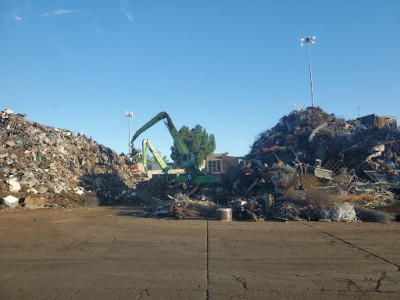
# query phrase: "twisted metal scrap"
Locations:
[[289, 211], [343, 212]]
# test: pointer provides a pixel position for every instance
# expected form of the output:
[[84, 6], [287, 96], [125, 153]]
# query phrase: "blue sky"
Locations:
[[233, 66]]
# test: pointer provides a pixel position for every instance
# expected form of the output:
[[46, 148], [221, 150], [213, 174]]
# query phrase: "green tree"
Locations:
[[152, 160], [197, 141], [150, 157]]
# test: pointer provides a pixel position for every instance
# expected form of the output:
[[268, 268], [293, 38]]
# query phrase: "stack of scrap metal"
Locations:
[[312, 161], [54, 167]]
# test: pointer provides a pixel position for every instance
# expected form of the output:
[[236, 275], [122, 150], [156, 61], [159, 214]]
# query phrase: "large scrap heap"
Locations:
[[310, 166], [311, 161], [313, 134], [317, 138], [48, 166]]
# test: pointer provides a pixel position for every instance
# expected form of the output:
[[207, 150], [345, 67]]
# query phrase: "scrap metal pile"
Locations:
[[46, 166], [310, 166], [313, 134], [314, 165]]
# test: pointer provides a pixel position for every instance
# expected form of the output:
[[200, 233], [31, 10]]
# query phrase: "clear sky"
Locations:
[[233, 66]]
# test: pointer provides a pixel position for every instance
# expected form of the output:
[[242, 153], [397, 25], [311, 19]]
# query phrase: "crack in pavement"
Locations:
[[207, 279], [240, 280], [144, 292], [353, 246], [349, 284], [47, 259], [381, 277]]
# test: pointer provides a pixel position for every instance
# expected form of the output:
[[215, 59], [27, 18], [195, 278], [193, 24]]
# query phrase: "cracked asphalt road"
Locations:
[[109, 253]]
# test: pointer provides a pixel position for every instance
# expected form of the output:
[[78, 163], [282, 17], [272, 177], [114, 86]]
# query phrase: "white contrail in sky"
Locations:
[[126, 8], [17, 18], [59, 12], [128, 15]]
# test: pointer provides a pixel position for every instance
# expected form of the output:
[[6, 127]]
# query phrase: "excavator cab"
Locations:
[[187, 159]]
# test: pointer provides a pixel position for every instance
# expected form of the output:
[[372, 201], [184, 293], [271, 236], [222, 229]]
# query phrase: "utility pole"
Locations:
[[129, 115], [307, 41]]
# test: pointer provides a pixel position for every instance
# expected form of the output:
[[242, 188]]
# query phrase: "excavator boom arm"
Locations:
[[146, 143], [174, 133], [187, 158]]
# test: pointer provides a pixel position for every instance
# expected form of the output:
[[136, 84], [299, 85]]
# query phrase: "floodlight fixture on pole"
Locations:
[[307, 41], [129, 115]]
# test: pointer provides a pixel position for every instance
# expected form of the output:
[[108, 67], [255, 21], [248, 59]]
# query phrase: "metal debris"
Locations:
[[60, 165]]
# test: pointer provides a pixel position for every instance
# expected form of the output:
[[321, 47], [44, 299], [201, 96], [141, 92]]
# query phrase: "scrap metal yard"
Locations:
[[311, 212], [111, 253], [199, 150]]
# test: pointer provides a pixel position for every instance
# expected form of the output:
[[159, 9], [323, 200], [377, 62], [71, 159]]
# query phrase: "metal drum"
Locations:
[[224, 214]]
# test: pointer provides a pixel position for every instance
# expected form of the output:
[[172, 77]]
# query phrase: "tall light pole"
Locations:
[[307, 41], [129, 115]]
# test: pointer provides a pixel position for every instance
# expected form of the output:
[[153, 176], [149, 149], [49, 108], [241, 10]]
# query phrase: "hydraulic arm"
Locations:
[[168, 122], [146, 144], [187, 159]]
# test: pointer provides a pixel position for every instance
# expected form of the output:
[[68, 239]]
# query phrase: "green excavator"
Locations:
[[146, 144], [187, 161]]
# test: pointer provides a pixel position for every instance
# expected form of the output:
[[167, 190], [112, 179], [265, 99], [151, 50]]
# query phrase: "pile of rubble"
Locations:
[[313, 134], [43, 166], [310, 166], [315, 165], [179, 206]]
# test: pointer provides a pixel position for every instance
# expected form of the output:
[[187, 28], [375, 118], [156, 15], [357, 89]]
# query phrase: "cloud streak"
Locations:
[[126, 8], [128, 15], [58, 12], [17, 18]]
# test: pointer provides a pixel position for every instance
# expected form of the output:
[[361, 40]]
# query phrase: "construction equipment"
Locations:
[[146, 144], [187, 161], [134, 168]]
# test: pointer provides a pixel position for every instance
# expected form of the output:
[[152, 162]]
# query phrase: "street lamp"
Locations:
[[129, 115], [307, 41]]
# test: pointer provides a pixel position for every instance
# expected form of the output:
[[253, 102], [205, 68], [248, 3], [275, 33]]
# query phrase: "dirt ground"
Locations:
[[111, 253]]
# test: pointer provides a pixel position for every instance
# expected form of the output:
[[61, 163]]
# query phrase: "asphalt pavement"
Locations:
[[112, 253]]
